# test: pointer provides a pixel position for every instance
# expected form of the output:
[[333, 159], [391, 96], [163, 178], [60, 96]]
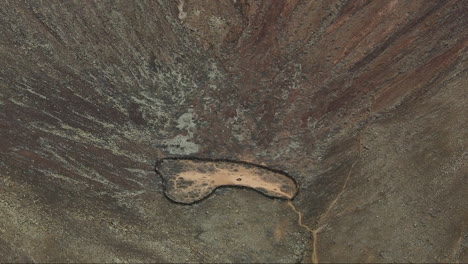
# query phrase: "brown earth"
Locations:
[[364, 103], [191, 180]]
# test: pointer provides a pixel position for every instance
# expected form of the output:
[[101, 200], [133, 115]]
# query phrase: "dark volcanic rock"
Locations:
[[364, 103]]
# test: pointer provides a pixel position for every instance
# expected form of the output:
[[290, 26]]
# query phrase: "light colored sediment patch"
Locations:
[[188, 181], [182, 144], [182, 14]]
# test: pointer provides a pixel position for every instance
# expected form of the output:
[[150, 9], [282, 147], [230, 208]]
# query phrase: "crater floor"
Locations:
[[363, 103]]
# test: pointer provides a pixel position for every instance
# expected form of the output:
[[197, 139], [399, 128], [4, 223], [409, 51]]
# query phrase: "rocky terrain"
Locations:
[[364, 103]]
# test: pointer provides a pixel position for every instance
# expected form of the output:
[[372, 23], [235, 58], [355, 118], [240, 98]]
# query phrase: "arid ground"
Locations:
[[364, 103]]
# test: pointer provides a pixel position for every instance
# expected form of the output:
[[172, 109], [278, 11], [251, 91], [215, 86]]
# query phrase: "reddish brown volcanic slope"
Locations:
[[363, 102]]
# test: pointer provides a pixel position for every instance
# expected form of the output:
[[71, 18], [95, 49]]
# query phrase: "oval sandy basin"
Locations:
[[190, 180]]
